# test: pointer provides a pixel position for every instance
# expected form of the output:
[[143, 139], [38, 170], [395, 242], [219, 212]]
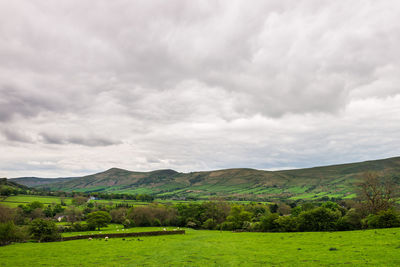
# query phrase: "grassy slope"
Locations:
[[14, 201], [214, 248], [6, 183], [35, 181], [331, 181]]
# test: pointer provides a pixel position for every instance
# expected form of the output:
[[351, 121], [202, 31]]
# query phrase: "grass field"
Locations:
[[116, 228], [215, 248], [14, 201]]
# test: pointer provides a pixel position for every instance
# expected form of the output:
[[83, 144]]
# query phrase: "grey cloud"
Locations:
[[16, 136], [77, 140], [277, 57], [199, 84]]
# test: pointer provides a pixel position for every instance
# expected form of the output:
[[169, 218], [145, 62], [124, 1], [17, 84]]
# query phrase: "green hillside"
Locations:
[[8, 187], [36, 181], [311, 183]]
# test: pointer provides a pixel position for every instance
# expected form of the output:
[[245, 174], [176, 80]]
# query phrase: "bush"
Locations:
[[118, 215], [98, 219], [351, 221], [229, 226], [156, 222], [10, 233], [287, 224], [78, 227], [44, 230], [128, 223], [384, 219], [268, 223], [209, 224], [6, 214], [318, 219]]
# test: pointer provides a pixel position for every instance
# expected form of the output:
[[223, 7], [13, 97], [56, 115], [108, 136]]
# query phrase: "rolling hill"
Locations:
[[311, 183], [36, 181], [7, 187]]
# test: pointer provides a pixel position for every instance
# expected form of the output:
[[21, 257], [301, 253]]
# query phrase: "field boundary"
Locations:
[[114, 235]]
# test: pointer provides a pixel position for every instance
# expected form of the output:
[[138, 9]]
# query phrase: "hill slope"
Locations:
[[327, 181], [9, 187], [36, 181]]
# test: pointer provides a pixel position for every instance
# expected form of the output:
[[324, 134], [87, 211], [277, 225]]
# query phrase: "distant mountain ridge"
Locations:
[[36, 181], [326, 181]]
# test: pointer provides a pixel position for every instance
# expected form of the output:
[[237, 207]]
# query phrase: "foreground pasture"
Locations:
[[215, 248]]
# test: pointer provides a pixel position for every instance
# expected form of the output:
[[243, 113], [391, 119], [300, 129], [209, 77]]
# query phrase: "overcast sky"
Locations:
[[196, 85]]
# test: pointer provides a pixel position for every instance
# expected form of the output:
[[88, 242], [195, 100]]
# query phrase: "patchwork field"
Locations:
[[215, 248], [14, 201]]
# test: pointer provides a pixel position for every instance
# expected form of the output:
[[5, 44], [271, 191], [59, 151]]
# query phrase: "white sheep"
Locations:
[[165, 229], [90, 239], [106, 238]]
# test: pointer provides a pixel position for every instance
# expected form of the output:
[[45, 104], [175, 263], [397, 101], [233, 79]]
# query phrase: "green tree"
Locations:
[[79, 200], [269, 223], [384, 219], [10, 233], [318, 219], [376, 192], [98, 219], [44, 230]]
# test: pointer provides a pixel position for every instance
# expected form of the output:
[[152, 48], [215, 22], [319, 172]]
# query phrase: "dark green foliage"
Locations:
[[318, 219], [384, 219], [268, 222], [273, 208], [98, 219], [9, 233], [44, 230], [151, 215], [239, 217], [351, 221], [209, 224], [227, 226], [287, 224]]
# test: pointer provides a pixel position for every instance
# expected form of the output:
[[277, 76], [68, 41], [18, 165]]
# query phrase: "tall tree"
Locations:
[[376, 192]]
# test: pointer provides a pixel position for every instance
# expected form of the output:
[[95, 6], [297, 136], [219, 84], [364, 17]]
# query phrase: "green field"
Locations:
[[14, 201], [215, 248], [116, 228]]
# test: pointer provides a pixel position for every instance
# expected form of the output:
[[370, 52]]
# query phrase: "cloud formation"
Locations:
[[196, 85]]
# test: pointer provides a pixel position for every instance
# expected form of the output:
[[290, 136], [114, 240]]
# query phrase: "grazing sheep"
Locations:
[[165, 229], [90, 239], [106, 238]]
